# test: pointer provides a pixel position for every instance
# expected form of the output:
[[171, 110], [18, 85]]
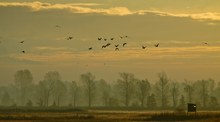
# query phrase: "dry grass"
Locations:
[[108, 116]]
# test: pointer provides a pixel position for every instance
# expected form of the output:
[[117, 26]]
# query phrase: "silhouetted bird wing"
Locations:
[[156, 45], [108, 44], [69, 38], [124, 44]]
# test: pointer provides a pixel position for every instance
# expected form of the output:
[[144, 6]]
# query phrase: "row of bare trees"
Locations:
[[126, 91]]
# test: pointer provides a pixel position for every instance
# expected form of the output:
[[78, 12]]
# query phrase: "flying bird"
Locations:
[[112, 38], [105, 39], [23, 51], [117, 45], [206, 43], [156, 45], [104, 46], [69, 38], [99, 38], [90, 48], [124, 44], [21, 41], [116, 48], [143, 47], [108, 44]]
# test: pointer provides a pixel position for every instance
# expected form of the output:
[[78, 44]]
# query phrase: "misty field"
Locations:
[[97, 115]]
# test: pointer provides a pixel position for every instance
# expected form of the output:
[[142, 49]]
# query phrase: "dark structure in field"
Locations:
[[191, 107]]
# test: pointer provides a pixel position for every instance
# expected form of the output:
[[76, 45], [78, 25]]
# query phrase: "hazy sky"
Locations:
[[182, 27]]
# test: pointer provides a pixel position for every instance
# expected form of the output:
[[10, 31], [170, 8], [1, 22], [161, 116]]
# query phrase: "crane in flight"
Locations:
[[156, 45], [124, 44], [69, 38], [116, 49], [143, 47], [100, 38], [90, 48]]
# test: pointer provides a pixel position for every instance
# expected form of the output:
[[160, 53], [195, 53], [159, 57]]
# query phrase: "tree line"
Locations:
[[127, 91]]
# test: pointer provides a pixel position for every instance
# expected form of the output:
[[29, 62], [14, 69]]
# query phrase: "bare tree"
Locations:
[[43, 92], [162, 88], [143, 90], [188, 88], [126, 86], [151, 101], [23, 79], [74, 88], [105, 89], [6, 99], [174, 93], [204, 92], [89, 83], [212, 86], [45, 87], [213, 102], [59, 92], [182, 102]]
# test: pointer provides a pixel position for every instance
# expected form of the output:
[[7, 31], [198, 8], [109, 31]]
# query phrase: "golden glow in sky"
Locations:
[[187, 33]]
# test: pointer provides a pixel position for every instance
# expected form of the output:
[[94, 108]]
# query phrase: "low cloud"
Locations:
[[73, 7], [119, 11], [195, 52]]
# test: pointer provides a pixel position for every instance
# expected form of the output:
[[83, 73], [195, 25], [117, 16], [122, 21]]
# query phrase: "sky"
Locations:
[[188, 33]]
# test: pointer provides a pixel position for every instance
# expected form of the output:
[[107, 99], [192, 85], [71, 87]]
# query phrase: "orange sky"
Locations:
[[189, 41]]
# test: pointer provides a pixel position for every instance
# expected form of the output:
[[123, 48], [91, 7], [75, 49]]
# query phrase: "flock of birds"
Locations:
[[108, 44], [116, 46]]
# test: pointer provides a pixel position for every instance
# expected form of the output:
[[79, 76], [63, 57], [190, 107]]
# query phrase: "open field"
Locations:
[[105, 115]]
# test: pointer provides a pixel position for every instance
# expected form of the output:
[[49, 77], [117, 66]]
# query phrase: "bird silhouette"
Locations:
[[112, 38], [124, 44], [117, 45], [21, 41], [69, 38], [99, 38], [105, 39], [121, 37], [206, 43], [90, 48], [156, 45], [103, 46], [23, 51], [143, 47], [108, 44], [116, 48]]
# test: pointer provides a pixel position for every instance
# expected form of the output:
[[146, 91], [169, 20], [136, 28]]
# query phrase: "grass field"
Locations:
[[105, 115]]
